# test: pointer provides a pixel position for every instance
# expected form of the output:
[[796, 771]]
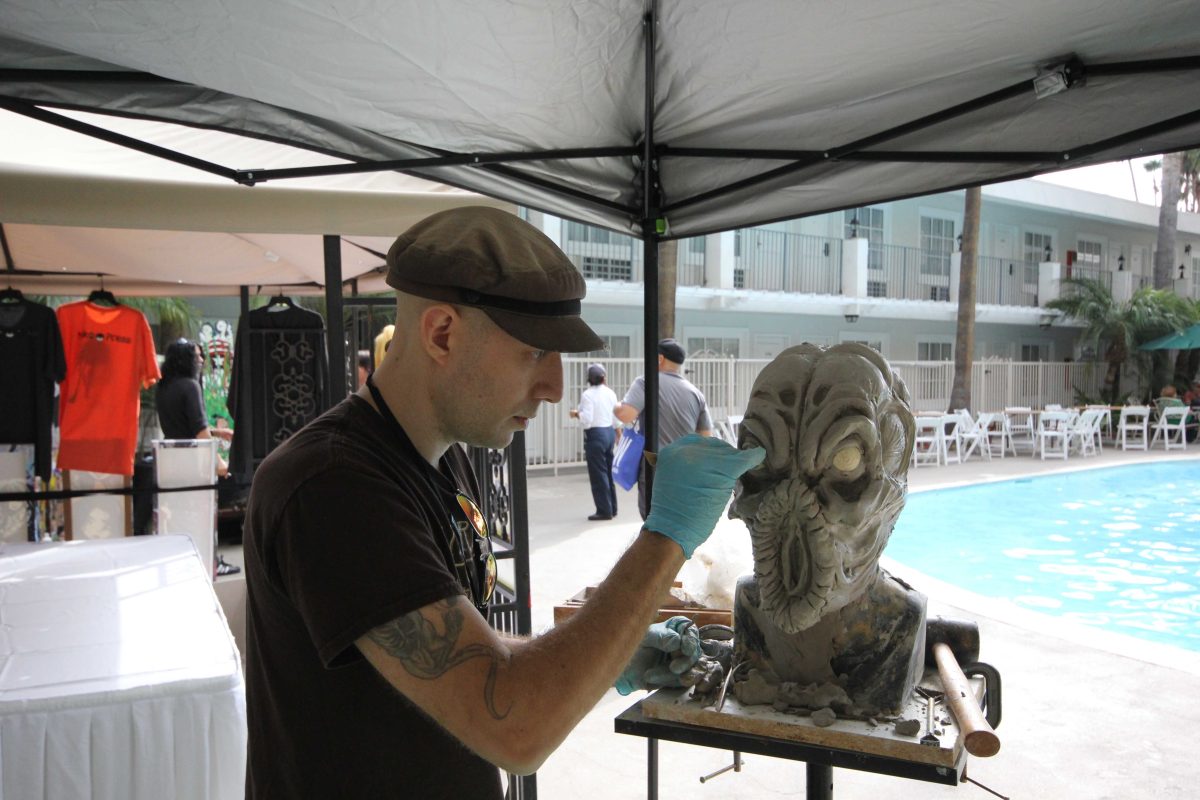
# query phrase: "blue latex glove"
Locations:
[[692, 485], [668, 650]]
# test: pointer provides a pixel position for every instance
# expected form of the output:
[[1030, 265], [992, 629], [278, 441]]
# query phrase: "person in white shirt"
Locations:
[[596, 413]]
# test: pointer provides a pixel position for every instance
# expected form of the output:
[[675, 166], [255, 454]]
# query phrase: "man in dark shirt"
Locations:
[[371, 670]]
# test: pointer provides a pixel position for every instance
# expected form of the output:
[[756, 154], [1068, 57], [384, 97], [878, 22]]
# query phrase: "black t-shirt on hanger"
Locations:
[[31, 351]]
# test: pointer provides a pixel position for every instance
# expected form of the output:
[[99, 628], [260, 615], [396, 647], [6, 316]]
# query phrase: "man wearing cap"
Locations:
[[595, 413], [371, 670], [682, 408]]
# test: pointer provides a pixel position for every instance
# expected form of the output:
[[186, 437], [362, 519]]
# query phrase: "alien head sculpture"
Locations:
[[838, 433]]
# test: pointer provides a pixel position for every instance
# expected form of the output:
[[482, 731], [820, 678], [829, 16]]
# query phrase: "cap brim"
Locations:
[[568, 334]]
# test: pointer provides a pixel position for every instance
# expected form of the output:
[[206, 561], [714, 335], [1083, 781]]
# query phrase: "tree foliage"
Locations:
[[1117, 329]]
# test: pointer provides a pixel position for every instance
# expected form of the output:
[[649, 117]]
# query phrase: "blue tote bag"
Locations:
[[627, 457]]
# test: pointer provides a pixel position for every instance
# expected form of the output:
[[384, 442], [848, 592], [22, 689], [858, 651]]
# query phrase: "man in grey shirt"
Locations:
[[682, 408]]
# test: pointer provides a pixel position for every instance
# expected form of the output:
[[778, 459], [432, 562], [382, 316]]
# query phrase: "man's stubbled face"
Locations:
[[838, 434]]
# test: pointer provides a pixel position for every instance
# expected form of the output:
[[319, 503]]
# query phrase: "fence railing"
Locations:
[[777, 261], [789, 262], [555, 440], [907, 273], [1001, 281]]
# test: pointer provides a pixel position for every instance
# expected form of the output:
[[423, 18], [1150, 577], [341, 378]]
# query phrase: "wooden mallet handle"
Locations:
[[979, 738]]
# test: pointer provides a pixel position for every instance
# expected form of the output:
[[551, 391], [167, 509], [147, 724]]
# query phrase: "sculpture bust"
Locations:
[[819, 609]]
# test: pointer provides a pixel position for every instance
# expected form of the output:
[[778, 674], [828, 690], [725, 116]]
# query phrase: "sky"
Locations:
[[1113, 179]]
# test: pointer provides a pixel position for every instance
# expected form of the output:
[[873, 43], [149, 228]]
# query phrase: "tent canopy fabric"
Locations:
[[758, 110], [80, 208], [1188, 339]]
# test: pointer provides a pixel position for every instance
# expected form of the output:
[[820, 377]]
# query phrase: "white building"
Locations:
[[886, 275]]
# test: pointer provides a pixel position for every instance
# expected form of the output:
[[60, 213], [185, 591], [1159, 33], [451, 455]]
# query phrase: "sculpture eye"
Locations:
[[848, 458]]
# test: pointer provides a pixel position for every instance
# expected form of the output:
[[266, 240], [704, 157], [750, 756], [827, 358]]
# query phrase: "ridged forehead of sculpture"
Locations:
[[838, 432]]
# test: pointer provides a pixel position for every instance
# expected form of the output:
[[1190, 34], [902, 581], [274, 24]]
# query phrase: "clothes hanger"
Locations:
[[102, 296], [280, 301], [11, 295]]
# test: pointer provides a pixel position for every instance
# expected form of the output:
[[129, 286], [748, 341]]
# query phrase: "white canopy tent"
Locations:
[[654, 117], [79, 208], [749, 110]]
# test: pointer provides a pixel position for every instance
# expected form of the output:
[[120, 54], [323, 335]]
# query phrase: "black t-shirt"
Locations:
[[180, 407], [31, 351], [347, 528]]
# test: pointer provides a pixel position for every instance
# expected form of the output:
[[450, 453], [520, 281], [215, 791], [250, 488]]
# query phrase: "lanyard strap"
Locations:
[[382, 407], [468, 582]]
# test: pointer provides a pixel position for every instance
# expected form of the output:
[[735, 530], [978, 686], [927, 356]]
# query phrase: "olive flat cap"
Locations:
[[494, 261]]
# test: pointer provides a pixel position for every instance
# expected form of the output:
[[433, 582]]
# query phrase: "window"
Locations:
[[739, 278], [578, 232], [618, 347], [876, 289], [937, 243], [935, 351], [1035, 253], [606, 269], [1089, 254], [941, 293], [696, 245], [870, 227], [726, 346], [1035, 352]]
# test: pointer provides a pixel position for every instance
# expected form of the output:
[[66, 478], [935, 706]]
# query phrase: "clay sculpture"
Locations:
[[820, 618]]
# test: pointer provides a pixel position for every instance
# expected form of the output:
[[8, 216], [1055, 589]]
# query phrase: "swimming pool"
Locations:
[[1117, 548]]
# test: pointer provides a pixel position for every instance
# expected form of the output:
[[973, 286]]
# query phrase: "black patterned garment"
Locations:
[[31, 351], [280, 381]]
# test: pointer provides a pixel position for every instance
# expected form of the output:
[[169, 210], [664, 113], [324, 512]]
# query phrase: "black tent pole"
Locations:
[[650, 206], [334, 333]]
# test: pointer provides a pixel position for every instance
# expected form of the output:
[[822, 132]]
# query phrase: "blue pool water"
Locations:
[[1117, 548]]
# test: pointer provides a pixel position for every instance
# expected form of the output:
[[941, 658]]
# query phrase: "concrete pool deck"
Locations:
[[1086, 714]]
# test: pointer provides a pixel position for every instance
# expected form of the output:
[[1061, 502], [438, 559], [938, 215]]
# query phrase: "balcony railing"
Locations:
[[777, 261], [1002, 281], [770, 260], [907, 273], [1103, 276]]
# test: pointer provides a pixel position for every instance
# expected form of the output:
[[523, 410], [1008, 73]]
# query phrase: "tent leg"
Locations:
[[334, 336]]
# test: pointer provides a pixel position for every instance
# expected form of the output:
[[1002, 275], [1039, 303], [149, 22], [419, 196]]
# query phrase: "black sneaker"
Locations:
[[225, 568], [599, 517]]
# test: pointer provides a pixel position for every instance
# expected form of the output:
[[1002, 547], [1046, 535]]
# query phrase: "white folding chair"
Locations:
[[927, 444], [1105, 417], [1053, 434], [996, 440], [1019, 421], [1132, 427], [973, 434], [1171, 427], [1084, 432], [951, 439]]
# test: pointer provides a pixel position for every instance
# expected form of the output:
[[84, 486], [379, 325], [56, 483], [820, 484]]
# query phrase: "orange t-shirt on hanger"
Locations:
[[110, 359]]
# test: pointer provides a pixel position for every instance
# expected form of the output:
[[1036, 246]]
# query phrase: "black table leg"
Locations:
[[652, 769], [820, 782]]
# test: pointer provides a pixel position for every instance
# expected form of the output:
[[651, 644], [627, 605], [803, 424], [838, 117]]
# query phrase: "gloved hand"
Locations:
[[668, 650], [692, 485]]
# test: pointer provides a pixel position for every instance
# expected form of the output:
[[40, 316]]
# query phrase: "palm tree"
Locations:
[[1168, 220], [1187, 362], [964, 337], [1119, 328]]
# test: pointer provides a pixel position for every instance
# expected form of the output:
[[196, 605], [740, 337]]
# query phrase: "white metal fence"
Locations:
[[554, 439]]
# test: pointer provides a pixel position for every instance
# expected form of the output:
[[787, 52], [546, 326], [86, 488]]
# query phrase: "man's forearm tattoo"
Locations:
[[427, 654]]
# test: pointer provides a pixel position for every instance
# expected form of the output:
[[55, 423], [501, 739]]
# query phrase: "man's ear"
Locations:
[[437, 323]]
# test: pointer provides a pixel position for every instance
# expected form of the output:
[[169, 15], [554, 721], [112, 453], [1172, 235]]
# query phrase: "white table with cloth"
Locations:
[[119, 678]]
